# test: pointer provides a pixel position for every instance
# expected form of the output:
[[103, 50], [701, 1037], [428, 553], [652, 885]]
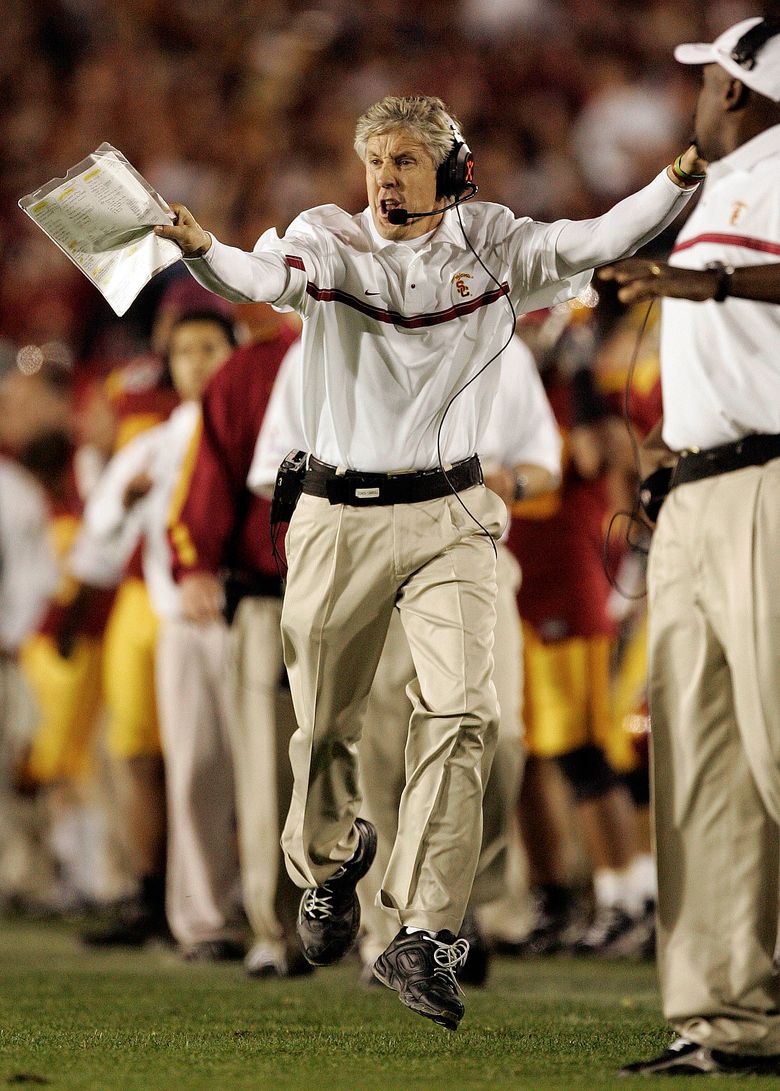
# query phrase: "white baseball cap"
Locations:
[[763, 77]]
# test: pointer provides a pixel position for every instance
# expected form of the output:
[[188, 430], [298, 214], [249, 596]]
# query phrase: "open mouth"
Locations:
[[388, 205]]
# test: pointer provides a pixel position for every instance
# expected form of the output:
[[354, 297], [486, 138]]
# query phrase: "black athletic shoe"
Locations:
[[421, 968], [329, 915], [261, 962], [556, 924], [638, 943], [686, 1058], [133, 926], [610, 925], [213, 950]]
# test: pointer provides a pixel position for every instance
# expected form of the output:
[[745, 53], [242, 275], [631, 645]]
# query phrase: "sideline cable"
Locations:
[[634, 544]]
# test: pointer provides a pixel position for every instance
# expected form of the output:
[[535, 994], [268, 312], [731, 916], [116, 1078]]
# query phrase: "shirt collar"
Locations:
[[745, 157], [445, 232]]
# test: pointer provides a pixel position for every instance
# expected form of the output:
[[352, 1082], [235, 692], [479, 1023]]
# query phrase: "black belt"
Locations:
[[364, 490], [753, 450], [239, 586]]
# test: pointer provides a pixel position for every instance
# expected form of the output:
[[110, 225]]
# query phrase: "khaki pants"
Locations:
[[715, 705], [195, 711], [348, 568], [260, 733], [382, 762]]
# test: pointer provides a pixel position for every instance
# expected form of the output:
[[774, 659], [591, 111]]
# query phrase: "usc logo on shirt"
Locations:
[[461, 287], [736, 212]]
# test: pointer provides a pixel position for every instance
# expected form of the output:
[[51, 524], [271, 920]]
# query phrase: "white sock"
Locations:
[[606, 887], [615, 887], [643, 876]]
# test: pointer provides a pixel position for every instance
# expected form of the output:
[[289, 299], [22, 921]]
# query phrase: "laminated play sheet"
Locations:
[[102, 215]]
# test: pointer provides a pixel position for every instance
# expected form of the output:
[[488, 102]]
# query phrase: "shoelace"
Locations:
[[449, 957], [317, 903]]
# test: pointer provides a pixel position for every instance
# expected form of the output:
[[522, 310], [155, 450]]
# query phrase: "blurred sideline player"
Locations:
[[128, 507], [28, 576], [37, 424], [224, 562], [568, 637], [134, 398], [629, 751]]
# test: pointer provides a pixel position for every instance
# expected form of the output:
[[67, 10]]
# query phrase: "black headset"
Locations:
[[456, 173], [750, 44]]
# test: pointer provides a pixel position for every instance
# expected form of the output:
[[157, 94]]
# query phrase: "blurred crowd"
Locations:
[[245, 113]]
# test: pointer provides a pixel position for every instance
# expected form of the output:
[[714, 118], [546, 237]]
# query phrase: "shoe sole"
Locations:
[[449, 1022], [368, 859]]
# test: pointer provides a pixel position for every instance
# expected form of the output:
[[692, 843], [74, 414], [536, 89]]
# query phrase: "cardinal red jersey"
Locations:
[[215, 521], [558, 540]]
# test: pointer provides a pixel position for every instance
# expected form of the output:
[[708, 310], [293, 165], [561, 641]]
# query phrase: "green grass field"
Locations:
[[144, 1021]]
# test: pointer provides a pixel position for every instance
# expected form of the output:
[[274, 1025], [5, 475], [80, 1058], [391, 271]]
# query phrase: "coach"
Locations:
[[399, 313], [714, 577]]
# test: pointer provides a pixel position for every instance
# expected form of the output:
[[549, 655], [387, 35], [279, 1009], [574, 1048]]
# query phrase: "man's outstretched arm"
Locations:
[[634, 221], [225, 270]]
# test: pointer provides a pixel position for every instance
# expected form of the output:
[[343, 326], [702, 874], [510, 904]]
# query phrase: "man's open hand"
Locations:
[[186, 232], [202, 597], [639, 280]]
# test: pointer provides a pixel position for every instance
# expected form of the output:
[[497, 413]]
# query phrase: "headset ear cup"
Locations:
[[465, 173], [456, 173]]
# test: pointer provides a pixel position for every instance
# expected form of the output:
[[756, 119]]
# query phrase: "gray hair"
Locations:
[[424, 116]]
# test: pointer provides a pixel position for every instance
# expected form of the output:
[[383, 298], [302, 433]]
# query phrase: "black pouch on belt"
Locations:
[[288, 486], [654, 490]]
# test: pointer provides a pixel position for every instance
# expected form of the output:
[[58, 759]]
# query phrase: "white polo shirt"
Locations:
[[109, 534], [393, 330], [720, 362], [521, 427]]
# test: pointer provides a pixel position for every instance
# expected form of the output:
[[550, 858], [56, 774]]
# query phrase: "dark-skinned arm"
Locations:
[[644, 280]]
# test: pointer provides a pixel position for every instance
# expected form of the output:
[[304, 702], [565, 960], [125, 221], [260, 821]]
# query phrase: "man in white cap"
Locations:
[[714, 577]]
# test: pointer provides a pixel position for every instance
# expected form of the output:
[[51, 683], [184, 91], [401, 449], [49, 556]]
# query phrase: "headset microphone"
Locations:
[[399, 216]]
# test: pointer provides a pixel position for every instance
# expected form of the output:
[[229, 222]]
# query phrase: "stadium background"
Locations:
[[244, 111]]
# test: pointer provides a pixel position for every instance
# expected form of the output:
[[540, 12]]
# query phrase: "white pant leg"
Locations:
[[195, 709], [260, 736]]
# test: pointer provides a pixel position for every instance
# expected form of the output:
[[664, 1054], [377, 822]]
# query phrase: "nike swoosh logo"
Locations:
[[371, 293]]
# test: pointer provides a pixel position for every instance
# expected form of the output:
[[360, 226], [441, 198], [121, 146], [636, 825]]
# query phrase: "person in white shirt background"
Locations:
[[714, 577], [402, 308], [130, 504], [28, 576]]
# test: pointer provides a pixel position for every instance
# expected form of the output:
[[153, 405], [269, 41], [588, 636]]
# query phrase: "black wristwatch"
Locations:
[[723, 283]]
